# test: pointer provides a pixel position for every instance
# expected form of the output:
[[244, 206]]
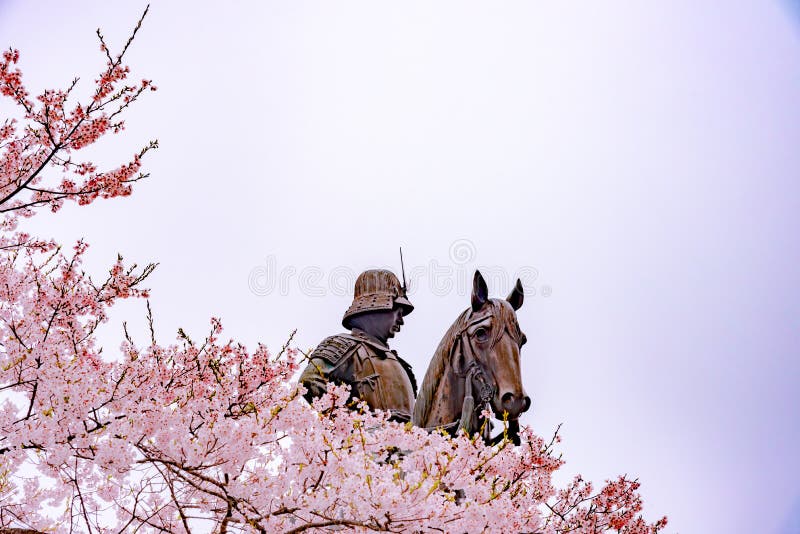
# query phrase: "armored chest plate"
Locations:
[[382, 381]]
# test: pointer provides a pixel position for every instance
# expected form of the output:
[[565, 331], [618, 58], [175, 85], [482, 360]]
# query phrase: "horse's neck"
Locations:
[[448, 399]]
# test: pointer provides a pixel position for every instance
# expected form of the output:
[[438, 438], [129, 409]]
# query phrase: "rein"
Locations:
[[468, 407]]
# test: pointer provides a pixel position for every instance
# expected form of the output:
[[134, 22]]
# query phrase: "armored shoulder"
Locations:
[[334, 348]]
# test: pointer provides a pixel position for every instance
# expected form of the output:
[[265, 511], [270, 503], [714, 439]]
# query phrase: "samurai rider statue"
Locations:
[[362, 358]]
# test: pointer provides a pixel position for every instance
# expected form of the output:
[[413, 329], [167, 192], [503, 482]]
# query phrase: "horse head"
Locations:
[[491, 343], [476, 366]]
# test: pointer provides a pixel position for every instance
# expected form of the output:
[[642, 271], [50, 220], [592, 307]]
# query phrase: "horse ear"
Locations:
[[517, 296], [480, 293]]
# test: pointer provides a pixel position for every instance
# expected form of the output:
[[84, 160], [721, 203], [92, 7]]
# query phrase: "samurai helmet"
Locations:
[[377, 289]]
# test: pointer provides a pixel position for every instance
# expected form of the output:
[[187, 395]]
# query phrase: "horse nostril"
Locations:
[[515, 404]]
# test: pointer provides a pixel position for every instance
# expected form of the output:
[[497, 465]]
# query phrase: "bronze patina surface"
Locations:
[[475, 367], [362, 358]]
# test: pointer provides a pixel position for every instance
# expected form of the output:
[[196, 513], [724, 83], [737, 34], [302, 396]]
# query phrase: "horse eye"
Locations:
[[481, 334]]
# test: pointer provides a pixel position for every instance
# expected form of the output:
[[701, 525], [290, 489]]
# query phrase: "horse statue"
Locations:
[[480, 352]]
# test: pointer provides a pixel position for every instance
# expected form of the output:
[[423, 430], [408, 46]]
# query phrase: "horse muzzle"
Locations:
[[515, 404]]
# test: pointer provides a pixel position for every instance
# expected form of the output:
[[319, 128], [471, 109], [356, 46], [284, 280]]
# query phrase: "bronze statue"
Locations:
[[479, 356], [362, 358]]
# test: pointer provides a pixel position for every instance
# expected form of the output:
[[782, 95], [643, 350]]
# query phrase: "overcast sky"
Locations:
[[636, 163]]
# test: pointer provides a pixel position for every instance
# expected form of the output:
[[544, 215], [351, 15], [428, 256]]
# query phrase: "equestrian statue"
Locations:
[[475, 368]]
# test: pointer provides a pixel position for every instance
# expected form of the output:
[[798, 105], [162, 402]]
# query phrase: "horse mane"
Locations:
[[422, 406]]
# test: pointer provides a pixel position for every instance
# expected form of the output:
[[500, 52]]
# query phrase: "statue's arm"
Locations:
[[315, 378], [330, 362]]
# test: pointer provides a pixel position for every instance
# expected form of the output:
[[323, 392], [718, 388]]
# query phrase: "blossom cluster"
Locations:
[[208, 435], [52, 131]]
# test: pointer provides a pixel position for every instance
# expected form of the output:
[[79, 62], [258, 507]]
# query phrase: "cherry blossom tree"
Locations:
[[206, 435]]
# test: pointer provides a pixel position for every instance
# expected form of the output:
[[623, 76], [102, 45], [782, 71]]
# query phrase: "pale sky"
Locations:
[[635, 162]]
